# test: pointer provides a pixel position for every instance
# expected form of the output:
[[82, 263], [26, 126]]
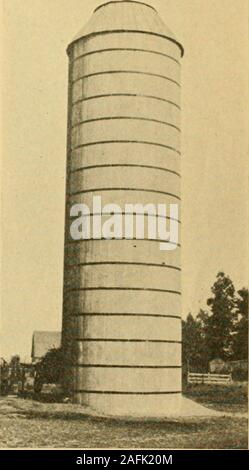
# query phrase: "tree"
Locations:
[[219, 325], [50, 369], [240, 340], [15, 369], [219, 332], [192, 347]]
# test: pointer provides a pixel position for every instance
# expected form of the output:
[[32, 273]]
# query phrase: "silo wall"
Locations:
[[122, 298]]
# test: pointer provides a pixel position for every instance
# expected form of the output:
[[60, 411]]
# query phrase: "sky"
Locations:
[[214, 153]]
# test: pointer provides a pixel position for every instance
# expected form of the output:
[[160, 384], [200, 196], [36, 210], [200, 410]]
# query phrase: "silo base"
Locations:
[[132, 405], [140, 408]]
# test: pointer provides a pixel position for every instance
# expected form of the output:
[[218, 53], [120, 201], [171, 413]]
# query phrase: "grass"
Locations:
[[232, 397], [30, 423]]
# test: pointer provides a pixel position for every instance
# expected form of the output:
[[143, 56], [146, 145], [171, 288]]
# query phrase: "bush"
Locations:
[[240, 375]]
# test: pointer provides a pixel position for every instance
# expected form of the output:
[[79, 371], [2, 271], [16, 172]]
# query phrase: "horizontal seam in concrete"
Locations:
[[144, 142], [112, 72], [124, 49], [123, 263], [114, 366], [155, 191], [134, 95], [176, 317], [122, 239], [122, 31], [142, 289], [115, 340], [131, 213], [124, 165], [128, 118], [110, 392]]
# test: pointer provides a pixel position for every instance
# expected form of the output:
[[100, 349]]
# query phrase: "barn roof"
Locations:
[[43, 341]]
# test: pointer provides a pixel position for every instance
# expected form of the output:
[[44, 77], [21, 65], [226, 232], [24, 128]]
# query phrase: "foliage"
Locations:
[[221, 331], [240, 340], [50, 368], [192, 348], [15, 370], [220, 323]]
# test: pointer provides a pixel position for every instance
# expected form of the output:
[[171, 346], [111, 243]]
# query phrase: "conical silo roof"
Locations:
[[127, 16]]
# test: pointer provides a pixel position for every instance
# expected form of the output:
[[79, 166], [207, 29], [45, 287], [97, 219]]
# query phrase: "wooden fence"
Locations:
[[214, 379]]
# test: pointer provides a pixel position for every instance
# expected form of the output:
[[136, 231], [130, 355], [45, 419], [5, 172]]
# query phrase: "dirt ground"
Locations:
[[25, 422]]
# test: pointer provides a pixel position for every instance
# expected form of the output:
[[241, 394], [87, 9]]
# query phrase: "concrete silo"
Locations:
[[122, 303]]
